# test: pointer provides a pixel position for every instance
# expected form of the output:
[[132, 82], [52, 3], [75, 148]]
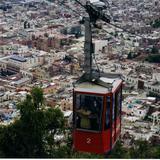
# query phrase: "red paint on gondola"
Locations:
[[103, 140]]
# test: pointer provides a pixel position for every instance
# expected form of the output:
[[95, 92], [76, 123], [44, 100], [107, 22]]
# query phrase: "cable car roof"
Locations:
[[92, 87]]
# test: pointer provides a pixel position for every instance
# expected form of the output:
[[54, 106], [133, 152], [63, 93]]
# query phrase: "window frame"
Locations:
[[75, 111], [108, 114]]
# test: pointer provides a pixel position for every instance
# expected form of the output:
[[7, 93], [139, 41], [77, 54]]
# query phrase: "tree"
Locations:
[[155, 58], [26, 137], [140, 149], [54, 125], [130, 55], [119, 152], [37, 96], [154, 50], [144, 149], [156, 23]]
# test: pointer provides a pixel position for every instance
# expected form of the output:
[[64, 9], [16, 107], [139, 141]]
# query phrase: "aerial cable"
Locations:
[[112, 24], [73, 10], [68, 7], [80, 4], [94, 15], [124, 30]]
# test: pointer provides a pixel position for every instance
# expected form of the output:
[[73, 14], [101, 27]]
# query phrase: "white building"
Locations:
[[26, 62], [140, 111], [99, 44]]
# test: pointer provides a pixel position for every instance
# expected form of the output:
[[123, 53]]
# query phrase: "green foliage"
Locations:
[[29, 135], [116, 34], [153, 94], [156, 23], [54, 119], [119, 152], [154, 50], [86, 155], [131, 55], [154, 58], [141, 149], [37, 96]]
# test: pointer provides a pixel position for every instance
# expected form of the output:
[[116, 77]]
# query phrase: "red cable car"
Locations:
[[97, 97], [97, 115]]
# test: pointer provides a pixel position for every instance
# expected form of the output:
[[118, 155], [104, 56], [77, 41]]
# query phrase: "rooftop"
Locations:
[[18, 58], [91, 87]]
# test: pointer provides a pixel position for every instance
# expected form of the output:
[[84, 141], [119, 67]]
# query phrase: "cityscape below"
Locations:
[[43, 46]]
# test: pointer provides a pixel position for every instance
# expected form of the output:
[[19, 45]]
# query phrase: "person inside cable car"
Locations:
[[88, 112], [84, 121]]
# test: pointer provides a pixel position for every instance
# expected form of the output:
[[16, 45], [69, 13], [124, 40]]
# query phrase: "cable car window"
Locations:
[[78, 100], [113, 109], [108, 109], [88, 112], [118, 102]]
